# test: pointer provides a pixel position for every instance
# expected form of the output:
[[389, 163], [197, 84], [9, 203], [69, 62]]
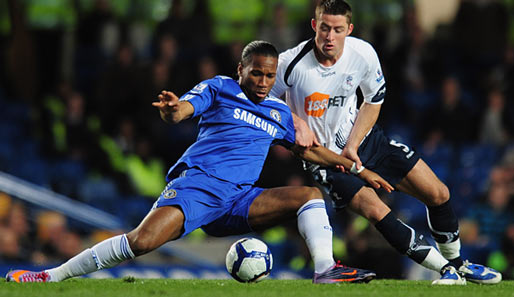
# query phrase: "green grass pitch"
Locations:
[[128, 287]]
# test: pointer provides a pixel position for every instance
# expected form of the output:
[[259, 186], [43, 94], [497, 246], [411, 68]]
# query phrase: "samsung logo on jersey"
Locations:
[[254, 120]]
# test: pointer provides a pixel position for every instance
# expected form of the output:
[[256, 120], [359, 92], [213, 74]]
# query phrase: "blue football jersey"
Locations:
[[235, 133]]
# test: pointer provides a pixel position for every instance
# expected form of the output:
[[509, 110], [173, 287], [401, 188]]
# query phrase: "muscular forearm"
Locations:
[[298, 122], [322, 156], [366, 119], [325, 157]]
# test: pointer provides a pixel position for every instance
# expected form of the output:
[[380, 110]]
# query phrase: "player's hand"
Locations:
[[375, 180], [351, 154], [304, 135], [168, 102]]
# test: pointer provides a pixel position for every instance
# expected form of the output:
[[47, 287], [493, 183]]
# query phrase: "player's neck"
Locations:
[[326, 60], [254, 99]]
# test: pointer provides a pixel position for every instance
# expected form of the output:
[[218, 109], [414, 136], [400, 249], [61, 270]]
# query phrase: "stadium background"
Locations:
[[77, 127]]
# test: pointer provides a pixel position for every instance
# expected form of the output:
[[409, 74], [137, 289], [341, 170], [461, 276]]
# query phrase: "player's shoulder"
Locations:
[[219, 81], [360, 47], [272, 100], [290, 54], [223, 80]]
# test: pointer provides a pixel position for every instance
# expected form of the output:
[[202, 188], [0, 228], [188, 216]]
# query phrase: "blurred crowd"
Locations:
[[76, 116]]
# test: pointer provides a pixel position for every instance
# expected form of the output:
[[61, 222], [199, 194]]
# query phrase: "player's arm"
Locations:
[[171, 109], [304, 135], [366, 119], [373, 89], [325, 157]]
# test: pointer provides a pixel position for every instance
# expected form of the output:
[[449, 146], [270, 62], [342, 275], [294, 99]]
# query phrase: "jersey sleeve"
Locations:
[[373, 84], [289, 136], [202, 95]]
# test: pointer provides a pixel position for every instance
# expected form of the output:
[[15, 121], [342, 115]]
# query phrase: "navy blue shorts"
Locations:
[[217, 206], [385, 156]]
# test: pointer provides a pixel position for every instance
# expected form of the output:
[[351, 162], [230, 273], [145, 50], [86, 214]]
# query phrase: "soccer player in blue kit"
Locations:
[[211, 185]]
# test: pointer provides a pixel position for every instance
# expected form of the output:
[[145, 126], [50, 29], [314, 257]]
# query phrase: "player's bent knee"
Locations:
[[314, 193], [440, 195], [141, 241], [367, 203]]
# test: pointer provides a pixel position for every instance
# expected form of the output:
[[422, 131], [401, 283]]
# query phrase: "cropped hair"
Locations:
[[258, 47], [334, 7]]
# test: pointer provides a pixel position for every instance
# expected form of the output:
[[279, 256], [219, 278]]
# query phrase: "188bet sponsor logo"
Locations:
[[317, 103]]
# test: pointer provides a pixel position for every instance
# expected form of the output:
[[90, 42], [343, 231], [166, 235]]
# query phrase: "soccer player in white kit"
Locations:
[[319, 79]]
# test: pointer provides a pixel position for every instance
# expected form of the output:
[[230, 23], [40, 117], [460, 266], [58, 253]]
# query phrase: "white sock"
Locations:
[[315, 228], [434, 260], [450, 250], [105, 254]]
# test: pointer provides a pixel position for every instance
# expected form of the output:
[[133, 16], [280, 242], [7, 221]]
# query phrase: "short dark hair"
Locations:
[[258, 47], [334, 7]]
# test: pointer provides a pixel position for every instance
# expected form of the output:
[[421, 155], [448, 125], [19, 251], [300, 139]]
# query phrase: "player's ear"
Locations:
[[313, 24], [240, 69], [350, 29]]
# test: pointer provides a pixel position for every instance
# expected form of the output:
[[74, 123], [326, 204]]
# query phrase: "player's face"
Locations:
[[331, 31], [258, 76]]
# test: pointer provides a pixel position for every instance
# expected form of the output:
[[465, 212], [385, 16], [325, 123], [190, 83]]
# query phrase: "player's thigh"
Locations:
[[158, 227], [422, 183], [278, 205]]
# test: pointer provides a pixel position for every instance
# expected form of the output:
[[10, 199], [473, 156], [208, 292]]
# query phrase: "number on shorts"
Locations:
[[404, 147]]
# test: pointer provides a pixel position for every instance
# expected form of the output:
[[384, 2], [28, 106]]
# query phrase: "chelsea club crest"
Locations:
[[276, 115], [169, 193]]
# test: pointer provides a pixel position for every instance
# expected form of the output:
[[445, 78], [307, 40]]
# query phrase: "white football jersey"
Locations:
[[325, 97]]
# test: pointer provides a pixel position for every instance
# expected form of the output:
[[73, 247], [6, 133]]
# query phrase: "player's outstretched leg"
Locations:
[[105, 254], [160, 225], [340, 273]]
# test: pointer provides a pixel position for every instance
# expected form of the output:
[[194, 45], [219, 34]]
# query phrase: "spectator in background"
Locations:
[[507, 74], [451, 116], [10, 250], [99, 34], [206, 68], [278, 30], [492, 215], [80, 142], [197, 37], [487, 221], [146, 172], [166, 71], [475, 59], [19, 224], [50, 227], [13, 230], [118, 85], [126, 136], [492, 127], [56, 241]]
